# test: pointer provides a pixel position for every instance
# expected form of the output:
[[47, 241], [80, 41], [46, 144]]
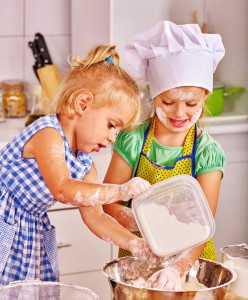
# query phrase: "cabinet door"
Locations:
[[231, 217], [79, 249]]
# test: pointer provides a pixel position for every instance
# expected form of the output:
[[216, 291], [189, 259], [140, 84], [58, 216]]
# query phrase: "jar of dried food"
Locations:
[[14, 99]]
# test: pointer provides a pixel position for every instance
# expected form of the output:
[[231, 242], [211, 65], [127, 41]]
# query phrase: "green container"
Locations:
[[215, 101]]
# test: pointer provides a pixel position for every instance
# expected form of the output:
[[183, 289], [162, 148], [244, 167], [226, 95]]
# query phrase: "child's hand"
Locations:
[[165, 279], [140, 249], [133, 188]]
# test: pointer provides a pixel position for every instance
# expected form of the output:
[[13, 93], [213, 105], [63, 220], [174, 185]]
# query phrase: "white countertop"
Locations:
[[226, 124]]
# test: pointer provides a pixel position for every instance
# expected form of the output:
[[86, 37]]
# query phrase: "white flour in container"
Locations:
[[165, 234]]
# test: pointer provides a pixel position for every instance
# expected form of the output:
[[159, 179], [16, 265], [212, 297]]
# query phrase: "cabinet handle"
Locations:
[[63, 245]]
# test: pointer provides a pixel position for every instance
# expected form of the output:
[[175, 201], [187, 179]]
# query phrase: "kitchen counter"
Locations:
[[226, 124]]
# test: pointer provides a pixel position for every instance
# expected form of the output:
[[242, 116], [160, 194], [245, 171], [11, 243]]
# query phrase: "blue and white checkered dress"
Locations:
[[27, 239]]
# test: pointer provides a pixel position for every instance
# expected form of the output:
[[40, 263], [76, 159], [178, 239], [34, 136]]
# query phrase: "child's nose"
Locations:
[[179, 111], [112, 136]]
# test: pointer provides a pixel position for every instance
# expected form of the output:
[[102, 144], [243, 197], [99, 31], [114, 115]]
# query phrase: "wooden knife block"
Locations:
[[50, 78]]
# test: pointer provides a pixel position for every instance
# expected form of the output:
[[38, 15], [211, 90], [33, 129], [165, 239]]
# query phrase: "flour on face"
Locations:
[[163, 117], [180, 94]]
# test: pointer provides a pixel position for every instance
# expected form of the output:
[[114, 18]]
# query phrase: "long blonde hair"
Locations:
[[101, 75]]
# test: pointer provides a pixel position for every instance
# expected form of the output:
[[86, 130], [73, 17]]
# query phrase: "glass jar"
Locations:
[[14, 99], [40, 105]]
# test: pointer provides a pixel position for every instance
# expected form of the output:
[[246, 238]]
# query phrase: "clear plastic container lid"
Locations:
[[174, 215]]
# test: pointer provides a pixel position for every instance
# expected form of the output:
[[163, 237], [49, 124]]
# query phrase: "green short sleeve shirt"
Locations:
[[209, 154]]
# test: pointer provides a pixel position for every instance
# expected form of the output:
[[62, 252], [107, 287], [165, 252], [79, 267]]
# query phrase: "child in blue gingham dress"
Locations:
[[28, 245], [49, 161]]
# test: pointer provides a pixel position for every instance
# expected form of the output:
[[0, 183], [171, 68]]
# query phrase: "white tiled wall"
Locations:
[[19, 21]]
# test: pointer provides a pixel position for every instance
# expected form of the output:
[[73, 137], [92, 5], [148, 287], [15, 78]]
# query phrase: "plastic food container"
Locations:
[[174, 215]]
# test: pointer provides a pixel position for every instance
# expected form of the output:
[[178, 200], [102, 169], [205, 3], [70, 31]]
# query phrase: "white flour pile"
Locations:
[[192, 285]]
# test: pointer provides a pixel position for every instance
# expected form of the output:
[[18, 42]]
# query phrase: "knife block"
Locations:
[[50, 78]]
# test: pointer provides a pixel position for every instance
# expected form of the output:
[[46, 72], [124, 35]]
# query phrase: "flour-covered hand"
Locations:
[[140, 249], [133, 188], [165, 279]]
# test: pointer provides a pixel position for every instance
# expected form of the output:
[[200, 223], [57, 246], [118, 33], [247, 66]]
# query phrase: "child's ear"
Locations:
[[83, 101]]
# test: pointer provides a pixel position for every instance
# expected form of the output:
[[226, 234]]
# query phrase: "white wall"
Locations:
[[19, 21]]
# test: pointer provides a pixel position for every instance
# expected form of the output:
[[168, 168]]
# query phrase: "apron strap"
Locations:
[[148, 136]]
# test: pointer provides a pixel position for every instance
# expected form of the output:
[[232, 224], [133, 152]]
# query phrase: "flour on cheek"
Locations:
[[161, 115], [194, 118]]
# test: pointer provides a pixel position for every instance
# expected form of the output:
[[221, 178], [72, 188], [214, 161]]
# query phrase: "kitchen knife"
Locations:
[[38, 60], [41, 46], [47, 72]]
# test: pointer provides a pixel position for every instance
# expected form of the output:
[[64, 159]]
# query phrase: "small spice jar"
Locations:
[[14, 99]]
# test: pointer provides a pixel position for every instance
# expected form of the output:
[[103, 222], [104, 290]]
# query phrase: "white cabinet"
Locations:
[[232, 213], [81, 254], [10, 128]]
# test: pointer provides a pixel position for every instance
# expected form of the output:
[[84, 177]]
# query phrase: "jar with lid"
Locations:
[[14, 99]]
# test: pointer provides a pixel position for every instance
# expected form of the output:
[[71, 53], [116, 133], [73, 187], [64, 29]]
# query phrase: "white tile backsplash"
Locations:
[[11, 17], [11, 58], [48, 17], [60, 49], [19, 21]]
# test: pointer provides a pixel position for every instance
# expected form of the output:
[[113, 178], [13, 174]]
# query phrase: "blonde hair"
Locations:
[[101, 75]]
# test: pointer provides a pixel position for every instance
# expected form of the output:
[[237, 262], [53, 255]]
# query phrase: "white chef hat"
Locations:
[[169, 55]]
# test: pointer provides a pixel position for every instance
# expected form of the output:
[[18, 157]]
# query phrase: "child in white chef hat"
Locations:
[[178, 62]]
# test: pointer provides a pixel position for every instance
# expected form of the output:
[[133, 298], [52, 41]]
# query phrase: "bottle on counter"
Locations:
[[14, 98], [39, 106]]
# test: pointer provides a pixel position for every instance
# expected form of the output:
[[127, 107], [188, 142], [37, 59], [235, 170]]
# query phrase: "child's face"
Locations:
[[179, 108], [97, 127]]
